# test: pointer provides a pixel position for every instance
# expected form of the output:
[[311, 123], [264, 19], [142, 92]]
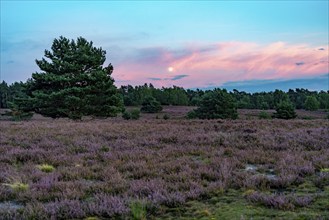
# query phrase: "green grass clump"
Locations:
[[46, 168], [18, 186], [325, 170], [138, 210]]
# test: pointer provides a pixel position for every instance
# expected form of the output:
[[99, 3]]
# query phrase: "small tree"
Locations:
[[151, 105], [285, 110], [72, 83], [311, 103], [216, 104], [133, 114]]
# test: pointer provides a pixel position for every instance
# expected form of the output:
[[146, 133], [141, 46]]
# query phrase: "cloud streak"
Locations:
[[224, 61]]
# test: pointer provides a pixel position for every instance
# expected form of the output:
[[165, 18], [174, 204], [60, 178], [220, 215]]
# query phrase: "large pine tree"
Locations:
[[73, 82]]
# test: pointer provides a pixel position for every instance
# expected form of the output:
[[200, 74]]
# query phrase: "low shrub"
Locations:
[[264, 115], [126, 115], [46, 168], [133, 114], [166, 117], [285, 110]]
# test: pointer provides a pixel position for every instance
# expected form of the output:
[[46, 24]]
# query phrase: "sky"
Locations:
[[248, 45]]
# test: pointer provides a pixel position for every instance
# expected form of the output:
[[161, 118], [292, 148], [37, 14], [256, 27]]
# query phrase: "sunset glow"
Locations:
[[191, 44]]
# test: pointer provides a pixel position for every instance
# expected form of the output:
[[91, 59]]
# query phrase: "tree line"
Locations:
[[178, 96], [300, 98]]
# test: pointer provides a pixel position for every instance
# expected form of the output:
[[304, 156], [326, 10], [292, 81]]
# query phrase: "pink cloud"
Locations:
[[222, 62]]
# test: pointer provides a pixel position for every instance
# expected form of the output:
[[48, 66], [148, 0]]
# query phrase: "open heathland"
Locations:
[[165, 169]]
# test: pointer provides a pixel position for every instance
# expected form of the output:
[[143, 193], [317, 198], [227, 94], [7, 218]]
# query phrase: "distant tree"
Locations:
[[4, 95], [280, 96], [324, 100], [285, 110], [73, 83], [311, 103], [151, 105], [215, 104]]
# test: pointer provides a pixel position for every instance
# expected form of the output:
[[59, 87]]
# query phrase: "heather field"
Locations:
[[165, 169]]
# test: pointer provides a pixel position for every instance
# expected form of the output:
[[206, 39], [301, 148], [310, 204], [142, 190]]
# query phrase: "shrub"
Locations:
[[46, 168], [18, 114], [191, 114], [126, 115], [151, 105], [166, 117], [285, 110], [264, 115], [216, 104], [135, 114]]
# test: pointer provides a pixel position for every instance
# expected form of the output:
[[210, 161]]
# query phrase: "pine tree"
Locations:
[[216, 104], [285, 110], [73, 82], [151, 105]]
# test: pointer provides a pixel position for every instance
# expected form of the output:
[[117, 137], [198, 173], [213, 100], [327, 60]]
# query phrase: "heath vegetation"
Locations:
[[154, 168]]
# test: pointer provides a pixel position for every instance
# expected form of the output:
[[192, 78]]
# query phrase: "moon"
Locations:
[[170, 69]]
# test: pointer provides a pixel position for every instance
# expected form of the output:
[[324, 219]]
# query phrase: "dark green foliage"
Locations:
[[264, 115], [133, 114], [151, 105], [126, 115], [134, 96], [323, 98], [216, 104], [192, 114], [311, 103], [285, 110], [73, 83], [4, 90], [166, 117], [9, 93]]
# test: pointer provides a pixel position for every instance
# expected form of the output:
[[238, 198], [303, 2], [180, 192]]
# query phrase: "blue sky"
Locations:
[[206, 43]]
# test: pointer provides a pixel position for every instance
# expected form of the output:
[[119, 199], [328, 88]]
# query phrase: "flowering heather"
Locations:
[[100, 167]]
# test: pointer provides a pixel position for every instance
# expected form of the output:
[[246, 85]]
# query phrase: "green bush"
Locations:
[[166, 117], [126, 115], [285, 110], [264, 115], [191, 114], [216, 104], [135, 114], [151, 105]]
